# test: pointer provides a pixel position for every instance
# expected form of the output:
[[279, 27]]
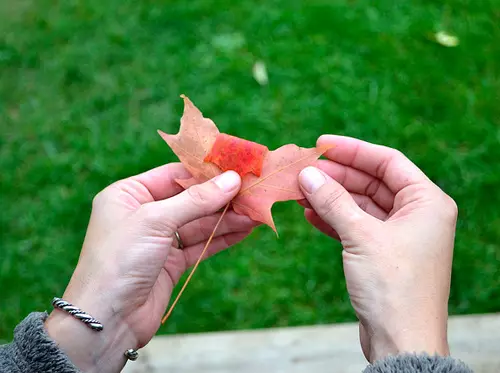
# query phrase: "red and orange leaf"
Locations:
[[267, 176], [240, 155]]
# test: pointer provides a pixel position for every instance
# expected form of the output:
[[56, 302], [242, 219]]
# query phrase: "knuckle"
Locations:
[[372, 187], [450, 207], [396, 153], [105, 195], [154, 219], [356, 220], [382, 167], [330, 203], [199, 196], [96, 201], [100, 198]]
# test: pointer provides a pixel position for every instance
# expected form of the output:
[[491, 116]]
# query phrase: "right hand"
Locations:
[[397, 229]]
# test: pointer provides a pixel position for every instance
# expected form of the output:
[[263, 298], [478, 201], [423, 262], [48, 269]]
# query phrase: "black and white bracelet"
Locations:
[[88, 320], [77, 313]]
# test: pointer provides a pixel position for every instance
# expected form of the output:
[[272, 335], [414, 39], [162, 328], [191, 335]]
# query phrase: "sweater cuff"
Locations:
[[412, 363], [34, 351]]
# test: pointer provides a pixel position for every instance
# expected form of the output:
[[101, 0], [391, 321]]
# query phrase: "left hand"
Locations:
[[130, 262]]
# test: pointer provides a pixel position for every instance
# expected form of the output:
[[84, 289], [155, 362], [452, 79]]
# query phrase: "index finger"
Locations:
[[384, 163], [160, 181]]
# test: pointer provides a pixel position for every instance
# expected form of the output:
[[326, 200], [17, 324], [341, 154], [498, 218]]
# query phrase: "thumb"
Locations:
[[331, 201], [195, 202]]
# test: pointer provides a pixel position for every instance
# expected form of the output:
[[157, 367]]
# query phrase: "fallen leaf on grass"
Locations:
[[259, 72], [446, 39]]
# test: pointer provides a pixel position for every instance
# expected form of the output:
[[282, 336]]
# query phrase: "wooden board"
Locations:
[[314, 349]]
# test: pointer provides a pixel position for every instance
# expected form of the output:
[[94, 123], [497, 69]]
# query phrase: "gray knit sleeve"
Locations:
[[32, 350], [411, 363]]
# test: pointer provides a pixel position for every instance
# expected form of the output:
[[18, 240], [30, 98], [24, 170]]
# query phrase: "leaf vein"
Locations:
[[248, 207], [200, 161], [275, 172]]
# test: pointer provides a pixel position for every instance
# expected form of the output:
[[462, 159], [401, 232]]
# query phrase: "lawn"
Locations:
[[85, 84]]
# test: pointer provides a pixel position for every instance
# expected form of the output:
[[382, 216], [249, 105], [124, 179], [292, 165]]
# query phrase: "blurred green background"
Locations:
[[85, 84]]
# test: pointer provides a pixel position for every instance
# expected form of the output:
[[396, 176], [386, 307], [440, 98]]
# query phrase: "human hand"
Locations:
[[130, 262], [397, 230]]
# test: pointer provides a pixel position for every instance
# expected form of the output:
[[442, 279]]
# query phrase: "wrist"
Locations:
[[394, 339], [90, 350]]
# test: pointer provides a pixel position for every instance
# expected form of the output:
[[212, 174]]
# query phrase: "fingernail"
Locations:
[[228, 181], [311, 179]]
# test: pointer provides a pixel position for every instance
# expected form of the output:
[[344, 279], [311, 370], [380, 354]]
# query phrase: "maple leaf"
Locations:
[[267, 176], [275, 173]]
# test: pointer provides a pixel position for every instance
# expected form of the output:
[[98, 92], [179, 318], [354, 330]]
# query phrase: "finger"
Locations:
[[331, 201], [369, 206], [359, 182], [200, 230], [320, 224], [192, 253], [386, 164], [364, 202], [160, 181], [304, 203], [195, 202]]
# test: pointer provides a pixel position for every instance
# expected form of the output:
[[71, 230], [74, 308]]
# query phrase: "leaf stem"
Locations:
[[195, 266]]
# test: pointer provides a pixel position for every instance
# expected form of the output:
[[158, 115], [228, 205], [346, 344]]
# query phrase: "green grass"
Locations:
[[85, 84]]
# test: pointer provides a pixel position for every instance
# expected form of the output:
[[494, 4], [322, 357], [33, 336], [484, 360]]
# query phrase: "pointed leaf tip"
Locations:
[[163, 135], [188, 105], [186, 100], [275, 230]]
